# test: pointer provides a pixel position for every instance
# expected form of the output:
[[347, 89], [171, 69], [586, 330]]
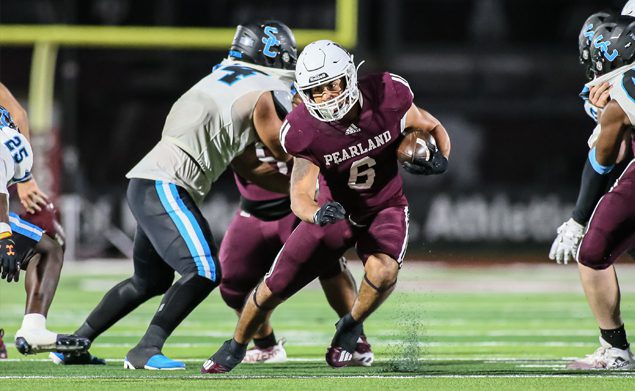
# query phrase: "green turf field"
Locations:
[[499, 327]]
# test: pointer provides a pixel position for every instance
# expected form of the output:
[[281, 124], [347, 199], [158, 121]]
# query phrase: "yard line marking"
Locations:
[[621, 375], [388, 343]]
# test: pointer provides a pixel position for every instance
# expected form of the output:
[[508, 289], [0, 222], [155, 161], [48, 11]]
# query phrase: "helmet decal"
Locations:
[[270, 41]]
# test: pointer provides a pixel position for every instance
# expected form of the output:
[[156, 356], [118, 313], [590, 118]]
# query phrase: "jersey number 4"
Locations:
[[14, 147], [236, 73]]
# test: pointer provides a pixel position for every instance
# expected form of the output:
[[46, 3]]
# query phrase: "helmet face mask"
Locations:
[[268, 43], [320, 63]]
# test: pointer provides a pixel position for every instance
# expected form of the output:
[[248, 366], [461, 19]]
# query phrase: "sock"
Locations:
[[177, 303], [118, 302], [237, 348], [616, 337], [347, 332], [34, 331], [34, 322], [265, 342], [86, 331]]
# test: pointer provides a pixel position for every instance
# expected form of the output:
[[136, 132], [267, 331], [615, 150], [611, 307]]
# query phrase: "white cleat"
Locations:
[[274, 354], [363, 355], [606, 357]]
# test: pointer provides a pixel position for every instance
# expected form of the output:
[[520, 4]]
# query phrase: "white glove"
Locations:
[[566, 244]]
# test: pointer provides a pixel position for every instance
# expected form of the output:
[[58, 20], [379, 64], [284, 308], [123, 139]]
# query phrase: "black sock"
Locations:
[[266, 342], [182, 297], [616, 337], [237, 348], [116, 303]]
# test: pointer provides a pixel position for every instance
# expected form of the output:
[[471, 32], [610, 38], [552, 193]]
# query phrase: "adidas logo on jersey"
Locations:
[[352, 129]]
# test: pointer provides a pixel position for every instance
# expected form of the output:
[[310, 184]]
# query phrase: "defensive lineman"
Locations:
[[207, 129]]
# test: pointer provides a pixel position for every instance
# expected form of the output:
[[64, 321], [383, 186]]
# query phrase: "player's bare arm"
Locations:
[[267, 124], [262, 174], [303, 181], [418, 117], [18, 114], [614, 123]]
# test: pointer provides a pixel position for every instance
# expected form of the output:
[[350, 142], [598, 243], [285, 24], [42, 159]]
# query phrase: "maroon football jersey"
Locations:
[[254, 192], [357, 159]]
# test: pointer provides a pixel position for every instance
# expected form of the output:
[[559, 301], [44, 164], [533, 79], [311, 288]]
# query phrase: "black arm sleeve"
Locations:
[[282, 100], [592, 188]]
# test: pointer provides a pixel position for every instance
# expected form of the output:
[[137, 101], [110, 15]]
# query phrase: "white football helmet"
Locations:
[[322, 62], [629, 8]]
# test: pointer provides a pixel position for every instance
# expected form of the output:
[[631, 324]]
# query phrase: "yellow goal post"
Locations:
[[46, 39]]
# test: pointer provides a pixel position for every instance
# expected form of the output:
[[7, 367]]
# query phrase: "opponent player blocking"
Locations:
[[210, 127], [348, 132]]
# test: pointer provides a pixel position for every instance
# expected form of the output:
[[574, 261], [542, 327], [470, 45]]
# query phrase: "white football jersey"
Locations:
[[207, 127], [16, 158], [623, 91]]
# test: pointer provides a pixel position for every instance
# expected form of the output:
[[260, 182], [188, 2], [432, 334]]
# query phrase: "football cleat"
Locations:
[[157, 362], [31, 344], [210, 366], [363, 356], [344, 343], [83, 358], [606, 357], [3, 347], [338, 357], [225, 359], [270, 355]]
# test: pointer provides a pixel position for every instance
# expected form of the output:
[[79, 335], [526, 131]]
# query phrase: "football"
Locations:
[[414, 145]]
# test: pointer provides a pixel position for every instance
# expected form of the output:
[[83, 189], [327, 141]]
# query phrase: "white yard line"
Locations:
[[621, 375]]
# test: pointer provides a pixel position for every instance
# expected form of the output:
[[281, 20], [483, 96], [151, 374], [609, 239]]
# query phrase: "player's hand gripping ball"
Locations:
[[419, 155]]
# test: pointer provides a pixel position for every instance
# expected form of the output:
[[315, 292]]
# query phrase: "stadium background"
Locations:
[[503, 76]]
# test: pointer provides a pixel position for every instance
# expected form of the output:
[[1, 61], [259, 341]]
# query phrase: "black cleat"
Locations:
[[64, 343], [82, 358], [226, 358], [344, 343]]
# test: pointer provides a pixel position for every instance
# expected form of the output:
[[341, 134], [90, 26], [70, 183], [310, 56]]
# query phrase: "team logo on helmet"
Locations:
[[270, 41], [319, 77]]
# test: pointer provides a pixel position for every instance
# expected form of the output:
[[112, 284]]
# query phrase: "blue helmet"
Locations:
[[269, 43]]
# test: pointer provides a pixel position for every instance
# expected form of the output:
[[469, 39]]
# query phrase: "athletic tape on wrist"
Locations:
[[5, 230]]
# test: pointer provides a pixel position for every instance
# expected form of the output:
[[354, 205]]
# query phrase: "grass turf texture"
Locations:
[[501, 327]]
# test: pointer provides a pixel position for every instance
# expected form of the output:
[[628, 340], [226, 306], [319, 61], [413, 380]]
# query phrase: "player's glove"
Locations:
[[566, 244], [329, 213], [9, 263], [436, 164]]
